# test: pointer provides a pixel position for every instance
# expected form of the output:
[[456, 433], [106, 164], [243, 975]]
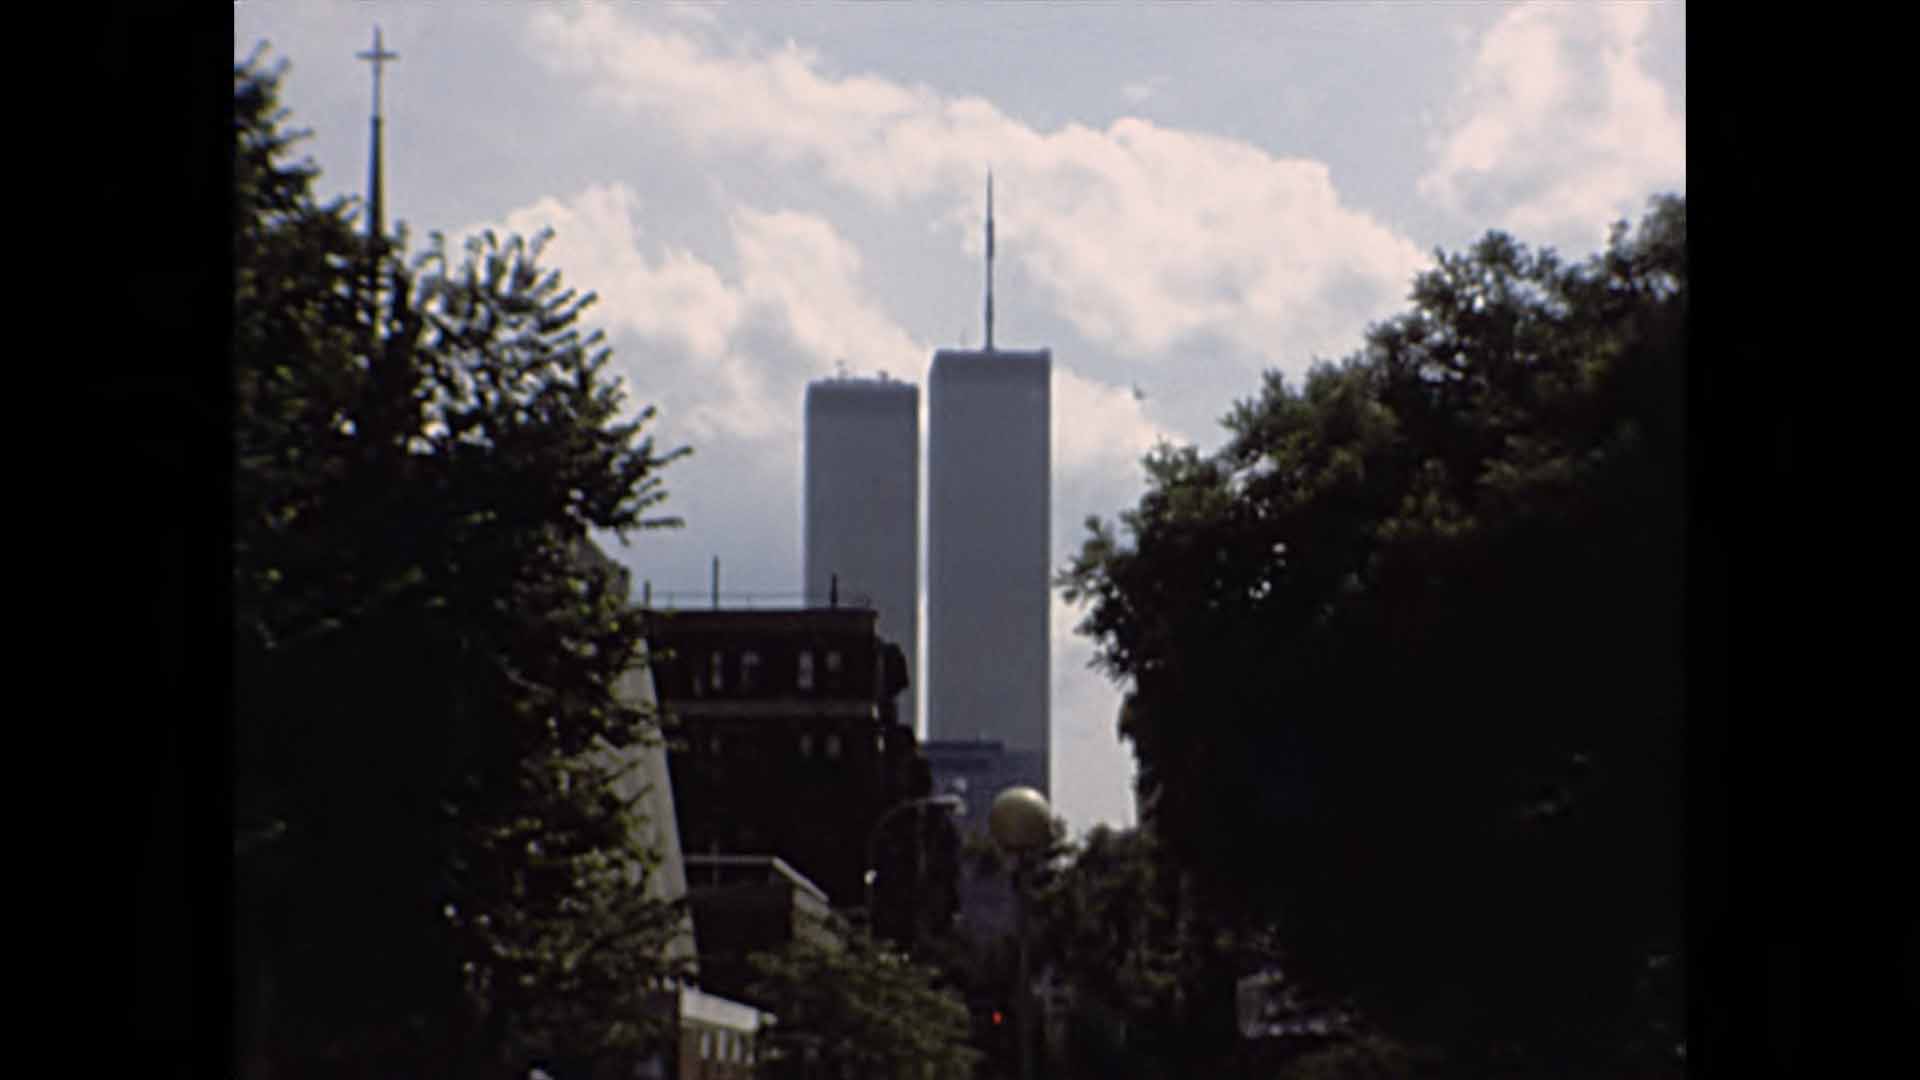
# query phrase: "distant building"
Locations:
[[989, 500], [711, 1037], [744, 904], [988, 492], [783, 735], [718, 1039], [978, 770], [640, 770], [989, 506], [860, 535]]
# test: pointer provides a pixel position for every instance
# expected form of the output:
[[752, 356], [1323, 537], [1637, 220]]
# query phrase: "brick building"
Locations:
[[783, 736]]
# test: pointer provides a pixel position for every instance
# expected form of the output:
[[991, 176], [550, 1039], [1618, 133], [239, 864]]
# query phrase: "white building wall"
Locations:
[[861, 507], [639, 772], [989, 486]]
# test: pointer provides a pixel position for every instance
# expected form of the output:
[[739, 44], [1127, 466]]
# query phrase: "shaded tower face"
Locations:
[[862, 507], [989, 486]]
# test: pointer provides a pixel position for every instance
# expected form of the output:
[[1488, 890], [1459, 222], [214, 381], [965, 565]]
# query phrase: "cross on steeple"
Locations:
[[375, 221], [377, 56]]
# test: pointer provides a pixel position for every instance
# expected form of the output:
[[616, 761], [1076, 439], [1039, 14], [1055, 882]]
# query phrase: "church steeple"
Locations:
[[989, 260], [376, 221]]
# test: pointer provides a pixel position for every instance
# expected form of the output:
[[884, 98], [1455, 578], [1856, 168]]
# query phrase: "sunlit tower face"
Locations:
[[989, 495], [989, 489]]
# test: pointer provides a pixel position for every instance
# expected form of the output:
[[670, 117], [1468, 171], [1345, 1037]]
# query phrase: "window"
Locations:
[[749, 670], [833, 667], [833, 746], [803, 672], [706, 1045], [806, 744], [716, 668]]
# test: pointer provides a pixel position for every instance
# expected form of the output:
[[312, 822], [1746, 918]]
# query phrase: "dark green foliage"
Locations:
[[855, 1007], [916, 894], [1404, 656], [1105, 920], [1368, 1057], [432, 878], [1152, 971]]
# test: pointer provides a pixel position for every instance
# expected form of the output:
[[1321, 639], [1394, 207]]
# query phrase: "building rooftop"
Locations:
[[669, 624], [766, 869], [713, 1009], [863, 383], [984, 359]]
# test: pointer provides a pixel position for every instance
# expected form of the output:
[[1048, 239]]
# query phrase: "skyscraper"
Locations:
[[989, 489], [862, 507]]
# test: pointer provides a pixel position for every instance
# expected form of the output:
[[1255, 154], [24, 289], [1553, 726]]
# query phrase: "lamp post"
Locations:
[[1022, 824], [951, 802]]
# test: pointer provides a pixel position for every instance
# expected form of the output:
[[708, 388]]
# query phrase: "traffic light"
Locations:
[[998, 1018]]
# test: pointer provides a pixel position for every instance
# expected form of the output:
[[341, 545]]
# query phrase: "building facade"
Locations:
[[715, 1038], [860, 537], [977, 770], [710, 1036], [743, 904], [989, 492], [783, 737]]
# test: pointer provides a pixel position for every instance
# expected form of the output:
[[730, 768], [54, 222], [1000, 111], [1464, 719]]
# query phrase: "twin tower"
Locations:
[[989, 491]]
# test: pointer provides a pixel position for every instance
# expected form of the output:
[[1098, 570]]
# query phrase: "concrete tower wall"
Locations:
[[989, 487], [862, 506]]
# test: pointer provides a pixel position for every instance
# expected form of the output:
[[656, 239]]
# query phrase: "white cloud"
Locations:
[[1149, 234], [799, 265], [1138, 92], [597, 239], [1092, 769], [1141, 234], [1098, 428], [1560, 130], [726, 357], [1100, 432], [703, 12]]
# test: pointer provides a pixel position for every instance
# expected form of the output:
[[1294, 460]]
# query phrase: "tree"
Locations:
[[1106, 921], [1153, 973], [1402, 656], [858, 1008], [917, 853], [433, 866]]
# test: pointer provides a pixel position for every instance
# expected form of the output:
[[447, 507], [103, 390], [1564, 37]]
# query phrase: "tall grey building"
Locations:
[[862, 507], [989, 491]]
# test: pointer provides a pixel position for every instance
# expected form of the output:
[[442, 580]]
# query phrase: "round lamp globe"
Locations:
[[1020, 820]]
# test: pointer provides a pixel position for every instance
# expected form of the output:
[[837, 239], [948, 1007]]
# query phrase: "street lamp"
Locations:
[[1022, 824], [951, 802]]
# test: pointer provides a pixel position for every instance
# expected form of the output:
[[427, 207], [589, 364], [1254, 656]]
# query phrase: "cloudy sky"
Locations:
[[1185, 196]]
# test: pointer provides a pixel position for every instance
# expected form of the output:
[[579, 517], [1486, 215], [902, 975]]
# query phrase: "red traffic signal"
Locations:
[[997, 1017]]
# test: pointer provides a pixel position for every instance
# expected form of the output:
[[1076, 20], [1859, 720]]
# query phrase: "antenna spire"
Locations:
[[989, 260]]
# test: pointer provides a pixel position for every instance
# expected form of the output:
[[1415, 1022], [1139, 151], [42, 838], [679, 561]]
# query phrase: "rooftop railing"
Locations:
[[709, 601]]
